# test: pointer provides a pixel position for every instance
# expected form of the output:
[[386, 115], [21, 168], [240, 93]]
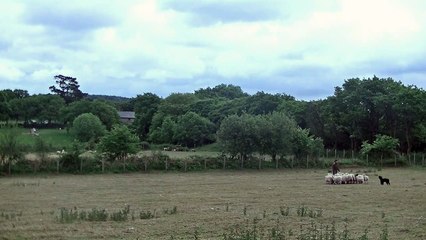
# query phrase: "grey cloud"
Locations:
[[208, 12], [4, 45], [74, 19], [415, 67]]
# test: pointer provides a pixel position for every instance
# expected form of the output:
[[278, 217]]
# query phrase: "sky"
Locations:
[[302, 48]]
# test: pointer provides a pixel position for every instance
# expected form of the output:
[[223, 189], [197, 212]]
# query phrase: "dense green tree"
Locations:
[[88, 127], [105, 112], [75, 109], [410, 107], [164, 133], [223, 90], [145, 106], [41, 107], [119, 143], [193, 130], [68, 88], [383, 145], [50, 106], [237, 136], [293, 108], [175, 105], [278, 139], [262, 103], [224, 108]]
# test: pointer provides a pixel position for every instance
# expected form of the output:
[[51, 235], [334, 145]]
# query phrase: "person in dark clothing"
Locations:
[[335, 167]]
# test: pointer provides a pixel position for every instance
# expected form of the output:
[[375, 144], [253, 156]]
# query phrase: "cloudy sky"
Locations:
[[122, 47]]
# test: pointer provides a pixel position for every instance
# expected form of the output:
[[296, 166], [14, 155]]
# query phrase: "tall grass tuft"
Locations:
[[67, 215], [285, 211], [384, 235], [146, 214], [97, 215]]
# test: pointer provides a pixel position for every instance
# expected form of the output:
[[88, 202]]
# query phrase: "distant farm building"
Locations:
[[126, 116]]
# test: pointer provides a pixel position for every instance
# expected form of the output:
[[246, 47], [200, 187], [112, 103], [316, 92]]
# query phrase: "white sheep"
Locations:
[[329, 179], [337, 178], [360, 179], [365, 178], [346, 178]]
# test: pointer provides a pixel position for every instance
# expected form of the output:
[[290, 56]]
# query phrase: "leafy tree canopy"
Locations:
[[68, 88]]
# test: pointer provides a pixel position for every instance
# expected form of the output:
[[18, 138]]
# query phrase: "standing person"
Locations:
[[335, 167]]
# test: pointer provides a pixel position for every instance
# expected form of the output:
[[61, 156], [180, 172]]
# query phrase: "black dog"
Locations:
[[384, 180]]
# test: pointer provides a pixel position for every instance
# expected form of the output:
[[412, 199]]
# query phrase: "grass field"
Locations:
[[56, 139], [204, 205]]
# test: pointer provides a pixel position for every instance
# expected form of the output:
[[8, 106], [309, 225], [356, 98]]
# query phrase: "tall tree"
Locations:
[[237, 136], [193, 130], [145, 107], [68, 88]]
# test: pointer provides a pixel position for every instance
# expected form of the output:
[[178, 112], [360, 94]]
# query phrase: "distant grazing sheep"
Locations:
[[346, 178]]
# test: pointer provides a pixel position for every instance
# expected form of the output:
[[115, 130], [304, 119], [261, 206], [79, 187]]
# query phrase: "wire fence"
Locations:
[[161, 161]]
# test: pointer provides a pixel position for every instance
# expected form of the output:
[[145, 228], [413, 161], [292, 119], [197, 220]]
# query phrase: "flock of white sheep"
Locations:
[[346, 178]]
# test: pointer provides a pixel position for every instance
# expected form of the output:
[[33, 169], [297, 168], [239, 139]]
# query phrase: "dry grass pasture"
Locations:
[[208, 203]]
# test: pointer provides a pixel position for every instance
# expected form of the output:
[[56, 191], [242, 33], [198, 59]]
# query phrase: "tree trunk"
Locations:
[[407, 138], [307, 161], [274, 158], [242, 161], [260, 163]]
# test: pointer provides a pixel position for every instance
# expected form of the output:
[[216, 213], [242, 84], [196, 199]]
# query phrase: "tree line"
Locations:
[[358, 112]]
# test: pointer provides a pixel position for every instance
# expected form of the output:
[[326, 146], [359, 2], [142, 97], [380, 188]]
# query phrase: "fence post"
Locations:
[[57, 165], [335, 153], [103, 165], [344, 153], [414, 158], [260, 163], [224, 162], [326, 153], [205, 164], [166, 165], [307, 161]]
